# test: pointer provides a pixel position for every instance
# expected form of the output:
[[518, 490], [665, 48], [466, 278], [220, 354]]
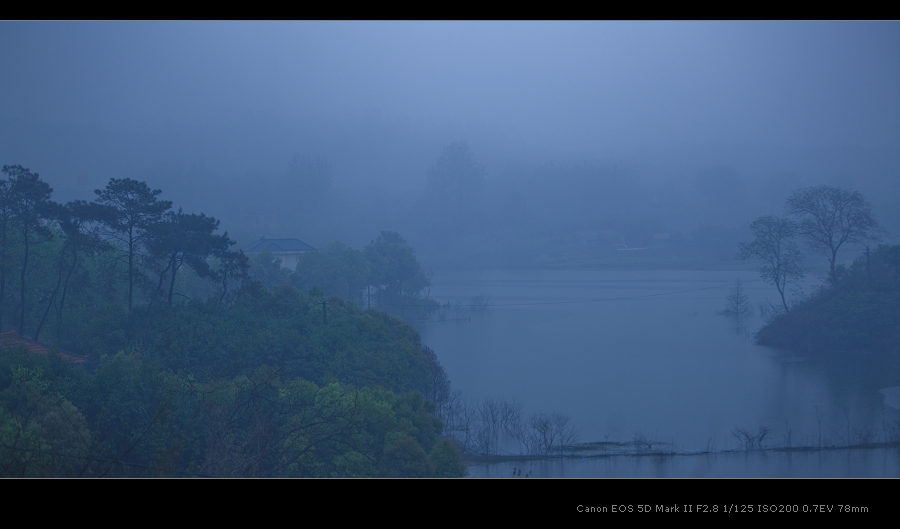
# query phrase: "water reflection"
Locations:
[[630, 354], [831, 463]]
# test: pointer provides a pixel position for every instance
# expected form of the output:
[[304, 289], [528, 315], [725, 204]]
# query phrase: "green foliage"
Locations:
[[266, 268], [182, 239], [41, 433], [260, 426], [404, 458], [141, 417], [447, 460], [337, 269], [282, 328], [250, 379], [398, 276], [233, 270]]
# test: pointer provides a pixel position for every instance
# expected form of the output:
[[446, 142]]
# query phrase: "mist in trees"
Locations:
[[737, 302], [251, 387], [134, 208], [338, 269], [29, 208], [399, 149], [776, 250], [456, 183], [53, 251], [823, 217]]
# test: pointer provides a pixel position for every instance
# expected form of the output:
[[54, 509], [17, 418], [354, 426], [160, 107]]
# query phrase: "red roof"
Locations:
[[12, 339]]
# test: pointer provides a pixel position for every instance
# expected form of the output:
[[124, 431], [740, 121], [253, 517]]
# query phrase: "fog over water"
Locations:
[[646, 354], [648, 145]]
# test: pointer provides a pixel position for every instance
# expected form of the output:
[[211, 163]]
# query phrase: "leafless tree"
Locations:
[[738, 305], [750, 440], [773, 246], [828, 217], [549, 432]]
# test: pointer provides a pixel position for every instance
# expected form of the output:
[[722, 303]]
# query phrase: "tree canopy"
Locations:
[[134, 208], [182, 238], [393, 268], [29, 207], [338, 269], [828, 217], [246, 381]]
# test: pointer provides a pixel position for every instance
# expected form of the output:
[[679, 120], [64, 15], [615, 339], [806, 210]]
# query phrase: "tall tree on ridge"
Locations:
[[135, 208], [5, 220], [78, 222], [189, 239], [30, 206]]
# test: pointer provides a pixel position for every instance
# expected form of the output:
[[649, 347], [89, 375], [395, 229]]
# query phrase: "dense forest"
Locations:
[[185, 365]]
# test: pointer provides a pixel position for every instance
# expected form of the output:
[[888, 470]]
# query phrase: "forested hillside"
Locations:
[[246, 380]]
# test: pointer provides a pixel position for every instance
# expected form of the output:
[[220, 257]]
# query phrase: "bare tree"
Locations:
[[549, 432], [738, 304], [773, 245], [748, 439], [828, 217]]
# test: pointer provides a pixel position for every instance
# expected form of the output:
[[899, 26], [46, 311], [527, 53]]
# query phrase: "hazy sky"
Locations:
[[567, 86]]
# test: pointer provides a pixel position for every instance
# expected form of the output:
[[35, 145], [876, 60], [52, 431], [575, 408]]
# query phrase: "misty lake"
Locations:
[[646, 354]]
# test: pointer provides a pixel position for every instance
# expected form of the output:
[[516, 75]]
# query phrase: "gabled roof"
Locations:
[[277, 245], [12, 339]]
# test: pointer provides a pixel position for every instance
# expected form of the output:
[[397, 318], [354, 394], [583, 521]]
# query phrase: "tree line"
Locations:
[[858, 308], [385, 275], [126, 230], [247, 380]]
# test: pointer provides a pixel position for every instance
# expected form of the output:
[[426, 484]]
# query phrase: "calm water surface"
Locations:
[[645, 353]]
